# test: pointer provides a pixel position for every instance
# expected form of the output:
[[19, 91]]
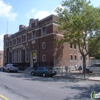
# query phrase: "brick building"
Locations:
[[35, 44], [1, 58]]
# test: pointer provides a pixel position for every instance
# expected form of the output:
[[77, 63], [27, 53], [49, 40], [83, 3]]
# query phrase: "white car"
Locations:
[[94, 68], [10, 67]]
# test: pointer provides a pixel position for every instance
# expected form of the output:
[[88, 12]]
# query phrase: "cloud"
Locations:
[[1, 41], [6, 11], [42, 14], [33, 13]]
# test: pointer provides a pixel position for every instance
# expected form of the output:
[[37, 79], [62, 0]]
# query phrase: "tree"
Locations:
[[79, 20], [96, 52]]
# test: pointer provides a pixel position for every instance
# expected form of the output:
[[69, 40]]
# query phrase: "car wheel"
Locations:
[[51, 75], [87, 70], [44, 75], [8, 70], [32, 73], [90, 71], [3, 70]]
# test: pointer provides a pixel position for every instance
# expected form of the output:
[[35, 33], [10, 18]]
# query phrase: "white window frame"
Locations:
[[44, 55], [43, 43]]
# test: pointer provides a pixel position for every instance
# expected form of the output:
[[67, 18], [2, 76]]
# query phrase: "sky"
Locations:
[[16, 12]]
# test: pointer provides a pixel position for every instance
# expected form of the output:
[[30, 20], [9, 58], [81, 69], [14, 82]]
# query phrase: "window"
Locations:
[[80, 57], [43, 31], [75, 57], [43, 45], [71, 57], [27, 36], [27, 54], [13, 42], [34, 34], [17, 56], [70, 45], [86, 58], [21, 55], [17, 40], [22, 38], [44, 57], [74, 46]]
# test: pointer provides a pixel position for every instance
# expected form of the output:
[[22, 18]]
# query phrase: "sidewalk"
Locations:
[[73, 75]]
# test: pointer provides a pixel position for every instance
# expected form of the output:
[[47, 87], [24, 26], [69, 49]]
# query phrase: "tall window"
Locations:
[[13, 57], [17, 40], [71, 57], [75, 57], [70, 45], [74, 46], [21, 55], [17, 56], [27, 36], [34, 34], [27, 54], [22, 38], [43, 31]]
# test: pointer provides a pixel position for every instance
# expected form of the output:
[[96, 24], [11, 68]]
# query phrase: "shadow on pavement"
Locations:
[[85, 92], [44, 79]]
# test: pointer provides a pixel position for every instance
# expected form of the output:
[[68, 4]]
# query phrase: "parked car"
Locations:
[[10, 67], [43, 71], [93, 68]]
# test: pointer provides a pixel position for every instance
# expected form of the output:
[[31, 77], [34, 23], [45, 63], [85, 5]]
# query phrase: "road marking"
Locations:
[[3, 97]]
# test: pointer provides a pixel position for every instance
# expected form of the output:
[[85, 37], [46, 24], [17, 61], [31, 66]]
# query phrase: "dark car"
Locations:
[[43, 71]]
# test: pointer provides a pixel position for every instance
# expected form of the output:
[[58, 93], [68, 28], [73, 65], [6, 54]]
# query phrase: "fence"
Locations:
[[59, 65]]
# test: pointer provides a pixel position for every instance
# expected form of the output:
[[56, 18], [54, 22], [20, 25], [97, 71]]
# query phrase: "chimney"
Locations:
[[21, 27]]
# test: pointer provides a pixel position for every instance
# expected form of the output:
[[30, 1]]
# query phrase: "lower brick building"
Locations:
[[35, 45], [1, 58]]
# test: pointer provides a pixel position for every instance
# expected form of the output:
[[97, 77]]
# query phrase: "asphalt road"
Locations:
[[20, 86]]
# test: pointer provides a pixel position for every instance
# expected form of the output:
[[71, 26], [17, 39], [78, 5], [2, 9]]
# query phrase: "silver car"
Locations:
[[94, 68], [10, 67]]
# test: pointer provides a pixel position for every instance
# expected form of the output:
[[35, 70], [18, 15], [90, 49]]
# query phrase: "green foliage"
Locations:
[[96, 52], [79, 20]]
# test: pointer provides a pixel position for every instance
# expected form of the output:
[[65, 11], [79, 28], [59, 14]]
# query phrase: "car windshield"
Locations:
[[15, 65]]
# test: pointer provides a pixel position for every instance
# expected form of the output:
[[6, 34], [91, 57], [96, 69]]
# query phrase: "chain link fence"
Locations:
[[59, 65]]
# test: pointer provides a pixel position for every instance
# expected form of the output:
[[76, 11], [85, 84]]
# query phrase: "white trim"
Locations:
[[34, 39], [52, 23], [60, 35]]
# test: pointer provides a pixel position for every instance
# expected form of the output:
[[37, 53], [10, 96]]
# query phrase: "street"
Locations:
[[20, 86]]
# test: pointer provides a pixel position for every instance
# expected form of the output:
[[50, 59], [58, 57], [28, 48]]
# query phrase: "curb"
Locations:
[[63, 76], [75, 78]]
